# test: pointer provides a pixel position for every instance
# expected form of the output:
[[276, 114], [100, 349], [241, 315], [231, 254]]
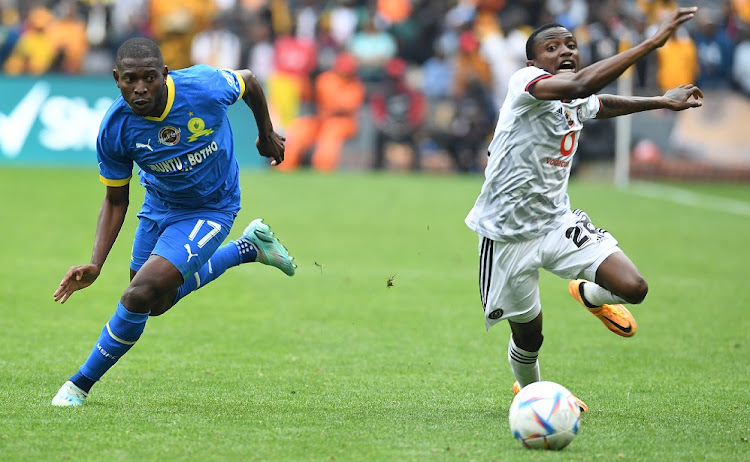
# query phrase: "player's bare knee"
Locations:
[[157, 312], [636, 290], [141, 298]]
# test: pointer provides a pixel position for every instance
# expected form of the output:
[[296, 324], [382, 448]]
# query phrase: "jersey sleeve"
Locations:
[[520, 84], [225, 86], [230, 86], [589, 109], [115, 168]]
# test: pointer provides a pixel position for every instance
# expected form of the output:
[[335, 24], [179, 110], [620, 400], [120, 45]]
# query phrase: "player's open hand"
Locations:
[[77, 278], [271, 146], [670, 25], [683, 97]]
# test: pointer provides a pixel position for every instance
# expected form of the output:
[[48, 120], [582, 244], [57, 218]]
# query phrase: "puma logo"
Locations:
[[190, 252], [147, 146]]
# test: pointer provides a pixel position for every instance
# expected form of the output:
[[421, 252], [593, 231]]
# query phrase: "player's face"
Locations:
[[556, 51], [142, 84]]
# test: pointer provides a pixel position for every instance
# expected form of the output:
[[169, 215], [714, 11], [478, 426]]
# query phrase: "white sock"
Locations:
[[524, 364], [597, 295]]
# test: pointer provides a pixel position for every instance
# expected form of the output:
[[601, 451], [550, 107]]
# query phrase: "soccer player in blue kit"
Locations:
[[174, 126]]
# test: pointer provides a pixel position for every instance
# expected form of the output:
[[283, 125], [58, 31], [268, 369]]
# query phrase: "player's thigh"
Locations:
[[577, 247], [509, 281], [189, 242], [146, 236]]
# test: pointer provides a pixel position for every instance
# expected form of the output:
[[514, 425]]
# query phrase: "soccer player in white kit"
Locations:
[[523, 215]]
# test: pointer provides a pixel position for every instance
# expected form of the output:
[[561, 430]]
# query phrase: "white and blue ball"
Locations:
[[544, 415]]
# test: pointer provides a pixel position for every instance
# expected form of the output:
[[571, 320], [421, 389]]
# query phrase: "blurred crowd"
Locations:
[[429, 75]]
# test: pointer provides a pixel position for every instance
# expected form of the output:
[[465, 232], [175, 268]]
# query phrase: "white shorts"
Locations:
[[509, 271]]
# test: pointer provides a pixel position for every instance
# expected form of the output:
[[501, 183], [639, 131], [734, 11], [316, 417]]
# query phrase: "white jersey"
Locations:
[[526, 179]]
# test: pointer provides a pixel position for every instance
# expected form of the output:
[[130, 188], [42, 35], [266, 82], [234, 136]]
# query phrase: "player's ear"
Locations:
[[164, 72], [116, 76]]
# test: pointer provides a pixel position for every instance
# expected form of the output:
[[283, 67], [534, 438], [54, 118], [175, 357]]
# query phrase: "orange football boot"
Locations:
[[615, 317]]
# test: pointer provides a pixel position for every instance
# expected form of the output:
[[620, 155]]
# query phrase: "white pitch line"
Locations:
[[690, 198]]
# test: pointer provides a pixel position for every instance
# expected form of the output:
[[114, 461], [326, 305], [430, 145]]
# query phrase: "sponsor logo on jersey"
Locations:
[[186, 162], [197, 127], [557, 162], [169, 136], [143, 145], [167, 166], [569, 118], [198, 157]]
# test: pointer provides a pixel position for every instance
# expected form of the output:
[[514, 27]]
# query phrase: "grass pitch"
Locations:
[[333, 364]]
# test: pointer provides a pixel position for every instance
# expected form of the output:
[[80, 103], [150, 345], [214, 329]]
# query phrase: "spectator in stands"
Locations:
[[715, 51], [570, 13], [492, 49], [217, 46], [10, 31], [742, 9], [69, 35], [677, 61], [437, 71], [469, 65], [393, 11], [636, 32], [397, 112], [174, 24], [306, 20], [656, 10], [741, 62], [343, 20], [472, 124], [263, 52], [339, 95], [130, 19], [372, 47], [290, 82], [35, 51], [281, 18]]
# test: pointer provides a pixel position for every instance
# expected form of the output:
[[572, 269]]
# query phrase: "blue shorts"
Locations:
[[186, 238]]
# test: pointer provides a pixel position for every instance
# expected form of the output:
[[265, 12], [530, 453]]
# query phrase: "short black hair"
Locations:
[[138, 48], [530, 54]]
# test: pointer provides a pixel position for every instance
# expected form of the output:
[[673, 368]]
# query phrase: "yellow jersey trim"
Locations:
[[170, 101], [115, 183]]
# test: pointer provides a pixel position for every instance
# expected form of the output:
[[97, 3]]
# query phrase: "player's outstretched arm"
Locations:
[[676, 99], [269, 143], [593, 78], [111, 217]]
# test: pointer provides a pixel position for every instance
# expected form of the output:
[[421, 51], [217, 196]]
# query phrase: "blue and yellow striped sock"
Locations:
[[116, 338]]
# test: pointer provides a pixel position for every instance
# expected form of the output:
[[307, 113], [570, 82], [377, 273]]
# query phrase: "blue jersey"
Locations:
[[186, 155]]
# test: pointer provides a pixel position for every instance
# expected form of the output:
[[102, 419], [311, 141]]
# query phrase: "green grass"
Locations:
[[333, 365]]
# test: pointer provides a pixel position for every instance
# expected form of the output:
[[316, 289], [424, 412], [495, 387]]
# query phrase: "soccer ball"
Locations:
[[544, 415]]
